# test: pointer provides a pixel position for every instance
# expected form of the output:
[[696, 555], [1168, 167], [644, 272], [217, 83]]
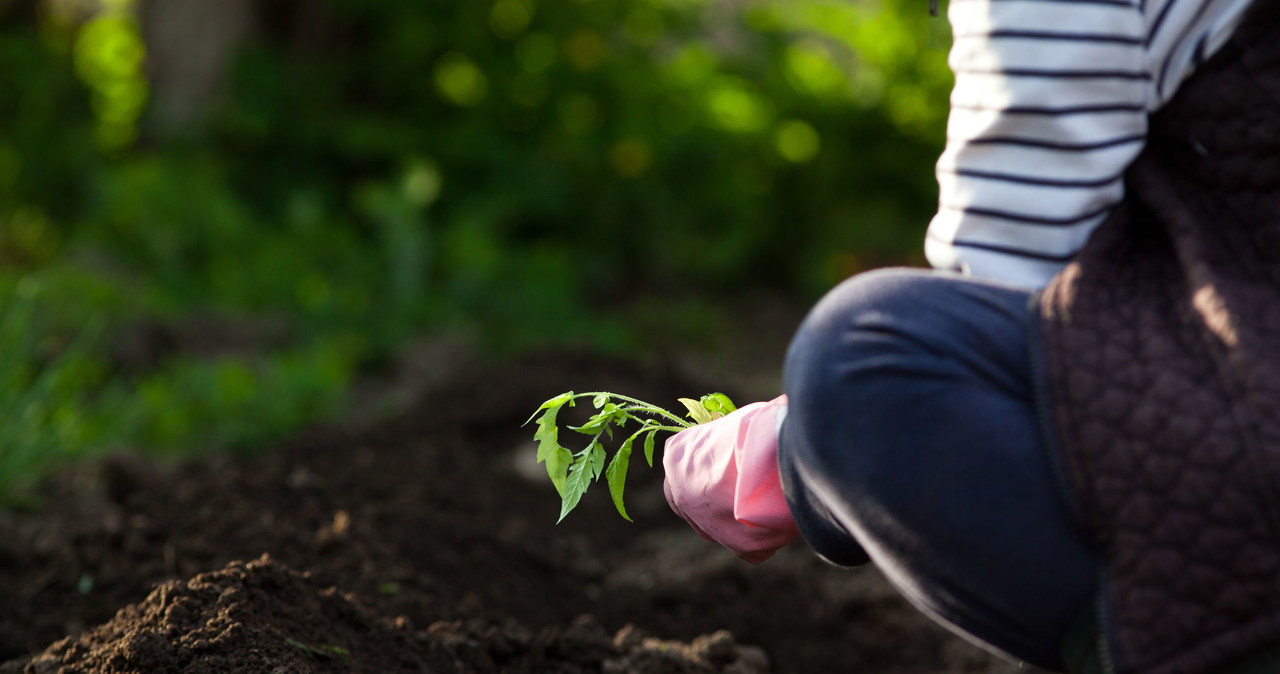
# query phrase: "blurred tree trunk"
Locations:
[[189, 45]]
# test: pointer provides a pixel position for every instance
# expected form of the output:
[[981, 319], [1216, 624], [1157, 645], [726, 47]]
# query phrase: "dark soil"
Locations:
[[427, 543]]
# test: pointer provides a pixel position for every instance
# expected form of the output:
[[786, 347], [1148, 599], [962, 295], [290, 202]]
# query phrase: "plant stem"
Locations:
[[641, 406]]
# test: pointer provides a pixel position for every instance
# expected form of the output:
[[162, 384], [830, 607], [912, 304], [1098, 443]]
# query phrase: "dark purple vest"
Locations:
[[1163, 349]]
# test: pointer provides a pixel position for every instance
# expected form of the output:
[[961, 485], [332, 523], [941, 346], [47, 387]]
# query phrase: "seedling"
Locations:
[[322, 652], [572, 472]]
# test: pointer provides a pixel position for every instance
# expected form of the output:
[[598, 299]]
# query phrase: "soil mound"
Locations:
[[436, 529], [264, 617]]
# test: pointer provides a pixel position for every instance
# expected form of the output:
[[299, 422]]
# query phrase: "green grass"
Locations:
[[62, 399]]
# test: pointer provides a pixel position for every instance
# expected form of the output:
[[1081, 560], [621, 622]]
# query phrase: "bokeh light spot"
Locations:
[[509, 18], [692, 65], [735, 108], [797, 141], [109, 58], [810, 70], [422, 182], [460, 80]]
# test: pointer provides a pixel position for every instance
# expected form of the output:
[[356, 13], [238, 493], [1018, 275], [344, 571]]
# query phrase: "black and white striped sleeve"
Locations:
[[1049, 108]]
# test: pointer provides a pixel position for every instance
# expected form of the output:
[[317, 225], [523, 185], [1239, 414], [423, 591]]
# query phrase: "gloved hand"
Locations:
[[722, 478]]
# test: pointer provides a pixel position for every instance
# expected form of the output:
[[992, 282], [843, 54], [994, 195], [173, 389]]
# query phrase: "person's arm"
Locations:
[[722, 478], [1049, 108]]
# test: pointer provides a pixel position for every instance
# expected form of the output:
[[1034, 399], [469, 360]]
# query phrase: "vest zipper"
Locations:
[[1104, 651], [1040, 403]]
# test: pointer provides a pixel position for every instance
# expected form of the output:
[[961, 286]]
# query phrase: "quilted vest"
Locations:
[[1162, 354]]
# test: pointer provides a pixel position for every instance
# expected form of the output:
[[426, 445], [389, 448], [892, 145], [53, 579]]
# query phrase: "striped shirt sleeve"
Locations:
[[1049, 108]]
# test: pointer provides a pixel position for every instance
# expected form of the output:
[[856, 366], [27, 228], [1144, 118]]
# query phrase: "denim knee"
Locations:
[[911, 428], [841, 353]]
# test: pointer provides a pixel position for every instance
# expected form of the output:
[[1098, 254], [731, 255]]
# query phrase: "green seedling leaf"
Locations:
[[550, 452], [572, 474], [586, 467], [600, 421], [616, 475], [596, 456], [554, 403], [322, 652], [697, 412], [717, 405]]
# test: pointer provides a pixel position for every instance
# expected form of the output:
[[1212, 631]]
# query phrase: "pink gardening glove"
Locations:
[[722, 478]]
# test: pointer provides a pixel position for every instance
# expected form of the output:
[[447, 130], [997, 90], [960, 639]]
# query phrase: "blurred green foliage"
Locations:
[[533, 171]]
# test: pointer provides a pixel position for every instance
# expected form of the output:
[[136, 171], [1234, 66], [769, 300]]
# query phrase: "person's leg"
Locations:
[[911, 426]]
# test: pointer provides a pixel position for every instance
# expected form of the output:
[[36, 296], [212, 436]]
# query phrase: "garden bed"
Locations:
[[427, 543]]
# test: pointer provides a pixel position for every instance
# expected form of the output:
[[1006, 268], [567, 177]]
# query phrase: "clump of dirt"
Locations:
[[427, 543], [261, 616]]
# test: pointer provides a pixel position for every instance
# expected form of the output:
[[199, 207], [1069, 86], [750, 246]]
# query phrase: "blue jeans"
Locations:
[[912, 440]]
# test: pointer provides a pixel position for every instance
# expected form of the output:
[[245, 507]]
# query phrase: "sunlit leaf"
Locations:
[[717, 405], [550, 452], [572, 474], [697, 412], [616, 475]]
